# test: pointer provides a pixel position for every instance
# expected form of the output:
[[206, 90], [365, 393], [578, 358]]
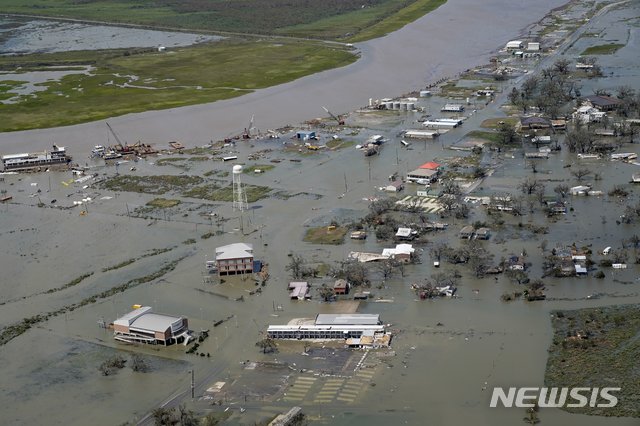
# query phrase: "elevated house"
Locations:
[[234, 259], [422, 176], [431, 165], [401, 253], [341, 287], [142, 325]]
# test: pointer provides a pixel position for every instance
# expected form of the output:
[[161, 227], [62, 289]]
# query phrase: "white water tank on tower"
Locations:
[[239, 194]]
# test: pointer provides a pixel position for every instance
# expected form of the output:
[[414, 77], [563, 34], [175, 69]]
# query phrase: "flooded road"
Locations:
[[450, 353], [453, 38]]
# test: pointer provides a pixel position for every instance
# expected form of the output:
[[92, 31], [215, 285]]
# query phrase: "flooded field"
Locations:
[[42, 36], [447, 354]]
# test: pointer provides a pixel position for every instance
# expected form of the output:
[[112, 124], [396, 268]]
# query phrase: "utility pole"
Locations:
[[193, 385]]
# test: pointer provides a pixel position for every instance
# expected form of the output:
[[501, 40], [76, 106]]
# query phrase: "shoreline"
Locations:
[[386, 66]]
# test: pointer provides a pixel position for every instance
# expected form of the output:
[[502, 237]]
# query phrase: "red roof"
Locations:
[[430, 165]]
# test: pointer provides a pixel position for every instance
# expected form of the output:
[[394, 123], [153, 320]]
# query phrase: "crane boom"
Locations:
[[115, 135], [338, 119]]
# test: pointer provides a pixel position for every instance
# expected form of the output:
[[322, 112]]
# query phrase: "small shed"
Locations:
[[306, 135], [395, 186]]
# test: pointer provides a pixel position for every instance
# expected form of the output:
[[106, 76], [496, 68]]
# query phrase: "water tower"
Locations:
[[239, 195]]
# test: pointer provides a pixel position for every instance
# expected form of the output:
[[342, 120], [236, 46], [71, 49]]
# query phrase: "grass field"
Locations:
[[215, 71], [488, 136], [597, 347], [602, 49], [325, 235], [329, 19]]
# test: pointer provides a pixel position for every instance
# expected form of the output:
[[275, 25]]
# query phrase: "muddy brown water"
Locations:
[[440, 375], [455, 37]]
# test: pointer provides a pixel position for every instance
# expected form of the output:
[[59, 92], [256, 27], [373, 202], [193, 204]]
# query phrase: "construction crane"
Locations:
[[120, 147], [337, 118], [247, 131]]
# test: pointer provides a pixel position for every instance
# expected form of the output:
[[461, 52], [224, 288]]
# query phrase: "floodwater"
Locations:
[[42, 36], [441, 374], [457, 36]]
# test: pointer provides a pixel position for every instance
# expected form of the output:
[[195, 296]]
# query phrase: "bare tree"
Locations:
[[561, 66], [386, 268], [139, 364], [508, 135], [529, 186], [267, 345], [562, 190], [351, 270], [579, 140], [296, 266], [437, 250], [581, 174], [479, 259]]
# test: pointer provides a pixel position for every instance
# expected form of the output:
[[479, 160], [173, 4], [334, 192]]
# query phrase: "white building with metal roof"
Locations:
[[328, 326]]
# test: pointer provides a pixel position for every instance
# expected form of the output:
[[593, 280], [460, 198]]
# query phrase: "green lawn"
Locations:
[[184, 76], [488, 136], [328, 19]]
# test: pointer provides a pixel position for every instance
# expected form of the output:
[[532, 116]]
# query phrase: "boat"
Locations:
[[97, 151], [25, 161], [111, 155]]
